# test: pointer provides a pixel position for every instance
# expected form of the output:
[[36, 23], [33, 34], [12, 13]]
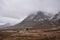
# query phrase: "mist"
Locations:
[[21, 8]]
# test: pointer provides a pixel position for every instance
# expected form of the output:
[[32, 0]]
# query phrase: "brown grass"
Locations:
[[26, 35]]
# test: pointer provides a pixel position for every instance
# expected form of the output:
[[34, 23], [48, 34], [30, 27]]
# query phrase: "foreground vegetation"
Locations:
[[31, 35]]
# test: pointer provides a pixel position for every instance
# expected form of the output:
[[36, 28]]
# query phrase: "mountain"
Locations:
[[56, 19], [4, 25], [39, 20], [10, 20], [7, 21], [33, 20]]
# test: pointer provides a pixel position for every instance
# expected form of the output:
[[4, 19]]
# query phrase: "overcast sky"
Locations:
[[21, 8]]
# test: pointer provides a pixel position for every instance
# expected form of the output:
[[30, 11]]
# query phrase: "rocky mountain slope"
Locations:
[[56, 19], [39, 20]]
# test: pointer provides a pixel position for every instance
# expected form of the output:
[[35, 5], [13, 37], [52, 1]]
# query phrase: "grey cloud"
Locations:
[[21, 8]]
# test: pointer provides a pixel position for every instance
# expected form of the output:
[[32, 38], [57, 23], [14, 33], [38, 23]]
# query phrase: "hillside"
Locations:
[[39, 20]]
